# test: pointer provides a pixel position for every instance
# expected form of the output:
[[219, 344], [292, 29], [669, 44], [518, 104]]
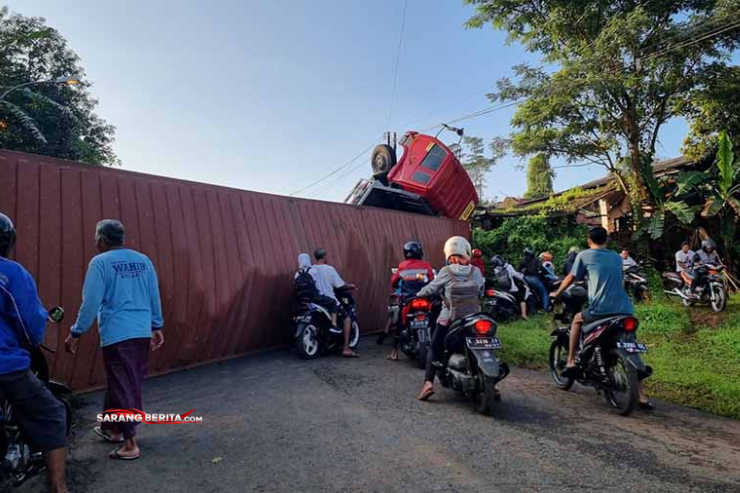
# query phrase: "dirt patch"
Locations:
[[706, 318]]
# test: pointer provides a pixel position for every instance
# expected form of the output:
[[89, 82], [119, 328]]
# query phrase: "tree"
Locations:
[[539, 177], [612, 74], [472, 156], [714, 107], [719, 191], [49, 119]]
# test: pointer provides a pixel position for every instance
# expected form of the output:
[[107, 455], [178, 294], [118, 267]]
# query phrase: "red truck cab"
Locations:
[[428, 179]]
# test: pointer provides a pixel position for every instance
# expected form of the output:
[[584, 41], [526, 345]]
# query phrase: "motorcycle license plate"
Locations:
[[632, 347], [483, 342], [419, 324], [305, 319]]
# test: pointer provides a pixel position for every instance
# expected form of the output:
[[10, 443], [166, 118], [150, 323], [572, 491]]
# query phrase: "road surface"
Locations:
[[274, 423]]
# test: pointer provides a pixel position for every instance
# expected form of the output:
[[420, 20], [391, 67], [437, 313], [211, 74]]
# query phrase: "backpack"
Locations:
[[501, 279], [304, 285], [464, 296]]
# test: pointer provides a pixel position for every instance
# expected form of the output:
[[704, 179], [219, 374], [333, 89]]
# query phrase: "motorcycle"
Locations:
[[19, 460], [470, 365], [500, 305], [415, 329], [313, 332], [636, 282], [713, 293], [608, 357]]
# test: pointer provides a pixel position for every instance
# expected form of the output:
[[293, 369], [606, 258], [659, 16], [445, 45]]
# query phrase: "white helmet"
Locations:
[[457, 245]]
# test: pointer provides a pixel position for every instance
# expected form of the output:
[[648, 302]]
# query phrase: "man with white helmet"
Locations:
[[457, 252]]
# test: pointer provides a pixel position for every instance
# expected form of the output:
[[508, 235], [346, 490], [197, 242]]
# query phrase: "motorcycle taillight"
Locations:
[[630, 324], [483, 327]]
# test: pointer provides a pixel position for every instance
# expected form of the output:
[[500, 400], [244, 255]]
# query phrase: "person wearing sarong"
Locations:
[[121, 289]]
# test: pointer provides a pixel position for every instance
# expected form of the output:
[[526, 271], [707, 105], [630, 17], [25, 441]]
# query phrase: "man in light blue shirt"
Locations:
[[121, 291]]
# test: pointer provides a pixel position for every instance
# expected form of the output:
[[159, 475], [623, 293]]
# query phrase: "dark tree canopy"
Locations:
[[49, 119]]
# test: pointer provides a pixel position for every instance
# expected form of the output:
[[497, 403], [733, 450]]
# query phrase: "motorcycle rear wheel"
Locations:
[[421, 361], [307, 343], [354, 335], [558, 358], [627, 380], [484, 398]]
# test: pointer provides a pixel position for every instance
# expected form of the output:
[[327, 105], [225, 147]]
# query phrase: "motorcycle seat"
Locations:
[[587, 328]]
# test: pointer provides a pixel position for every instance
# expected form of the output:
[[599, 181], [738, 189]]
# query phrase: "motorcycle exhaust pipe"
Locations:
[[676, 292]]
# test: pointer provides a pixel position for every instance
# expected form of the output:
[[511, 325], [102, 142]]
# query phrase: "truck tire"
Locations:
[[383, 160]]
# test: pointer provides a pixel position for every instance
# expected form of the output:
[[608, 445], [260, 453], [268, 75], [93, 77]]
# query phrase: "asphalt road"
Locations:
[[274, 423]]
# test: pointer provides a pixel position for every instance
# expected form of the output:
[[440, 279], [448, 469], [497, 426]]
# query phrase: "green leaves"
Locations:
[[712, 207], [28, 123], [690, 180], [725, 164], [682, 211], [656, 225]]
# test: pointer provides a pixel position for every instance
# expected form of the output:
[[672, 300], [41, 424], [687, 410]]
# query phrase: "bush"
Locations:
[[555, 235]]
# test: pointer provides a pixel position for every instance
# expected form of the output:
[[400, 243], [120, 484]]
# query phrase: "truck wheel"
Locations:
[[383, 160]]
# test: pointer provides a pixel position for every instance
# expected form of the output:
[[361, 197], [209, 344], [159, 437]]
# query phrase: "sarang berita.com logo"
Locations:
[[136, 416]]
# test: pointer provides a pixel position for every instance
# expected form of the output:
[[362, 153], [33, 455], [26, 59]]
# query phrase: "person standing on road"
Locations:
[[122, 290], [327, 280], [40, 416]]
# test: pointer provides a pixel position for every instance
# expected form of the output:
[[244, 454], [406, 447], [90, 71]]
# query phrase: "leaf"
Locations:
[[40, 34], [655, 227], [45, 99], [216, 460], [690, 180], [725, 163], [711, 207], [735, 205], [682, 211], [26, 121]]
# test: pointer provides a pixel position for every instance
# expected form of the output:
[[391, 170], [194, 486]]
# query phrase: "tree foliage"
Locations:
[[612, 74], [539, 177], [473, 158], [49, 119]]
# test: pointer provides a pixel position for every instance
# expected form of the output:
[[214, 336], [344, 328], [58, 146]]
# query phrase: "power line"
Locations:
[[340, 168], [398, 59]]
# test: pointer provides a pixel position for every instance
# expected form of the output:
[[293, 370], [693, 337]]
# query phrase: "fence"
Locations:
[[225, 257]]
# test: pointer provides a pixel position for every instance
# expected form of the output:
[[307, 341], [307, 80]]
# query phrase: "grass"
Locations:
[[693, 352]]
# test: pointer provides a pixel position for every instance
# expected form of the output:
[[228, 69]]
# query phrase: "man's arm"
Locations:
[[156, 304], [564, 285], [433, 287], [92, 297], [26, 308], [396, 277]]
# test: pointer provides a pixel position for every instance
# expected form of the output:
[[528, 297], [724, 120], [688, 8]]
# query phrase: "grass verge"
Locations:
[[693, 352]]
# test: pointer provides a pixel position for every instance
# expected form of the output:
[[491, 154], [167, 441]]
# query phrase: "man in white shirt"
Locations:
[[683, 257], [627, 261], [327, 279]]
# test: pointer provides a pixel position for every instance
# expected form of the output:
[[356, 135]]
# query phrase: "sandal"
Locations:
[[351, 354], [115, 455], [106, 435], [425, 395]]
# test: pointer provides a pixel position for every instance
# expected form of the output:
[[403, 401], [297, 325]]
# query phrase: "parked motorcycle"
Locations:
[[312, 328], [19, 460], [713, 293], [500, 305], [470, 365], [636, 282], [608, 357]]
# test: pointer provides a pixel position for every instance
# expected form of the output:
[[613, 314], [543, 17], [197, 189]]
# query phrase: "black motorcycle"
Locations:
[[636, 282], [470, 365], [313, 332], [712, 293], [500, 305], [415, 329], [19, 460], [608, 358]]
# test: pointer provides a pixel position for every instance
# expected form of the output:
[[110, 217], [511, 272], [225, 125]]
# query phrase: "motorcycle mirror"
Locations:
[[56, 314]]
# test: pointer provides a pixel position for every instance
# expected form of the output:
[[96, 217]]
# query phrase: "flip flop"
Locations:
[[425, 396], [391, 358], [646, 406], [105, 435], [115, 455], [350, 355]]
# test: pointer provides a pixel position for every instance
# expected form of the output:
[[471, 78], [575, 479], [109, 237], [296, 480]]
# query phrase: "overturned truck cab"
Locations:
[[428, 179]]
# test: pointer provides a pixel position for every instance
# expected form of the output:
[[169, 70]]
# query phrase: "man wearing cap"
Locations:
[[122, 291]]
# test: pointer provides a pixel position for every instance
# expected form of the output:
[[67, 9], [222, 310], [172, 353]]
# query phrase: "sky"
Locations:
[[272, 95]]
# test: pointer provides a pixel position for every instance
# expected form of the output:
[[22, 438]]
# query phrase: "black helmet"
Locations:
[[497, 261], [708, 245], [7, 235], [413, 249], [529, 252], [319, 253]]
